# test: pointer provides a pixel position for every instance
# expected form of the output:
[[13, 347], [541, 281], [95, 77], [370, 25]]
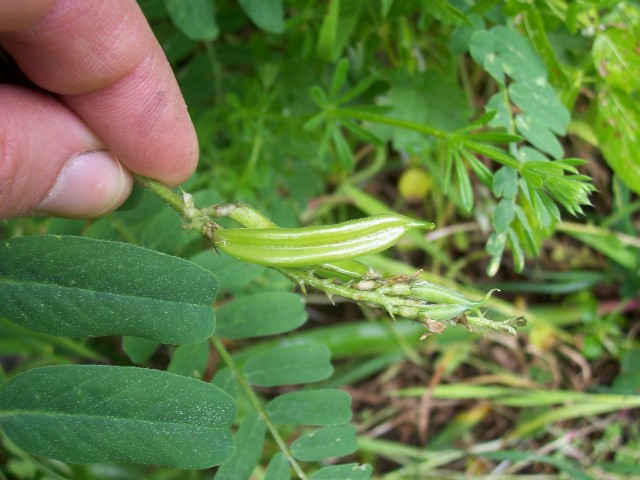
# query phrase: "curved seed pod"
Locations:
[[316, 236], [299, 247]]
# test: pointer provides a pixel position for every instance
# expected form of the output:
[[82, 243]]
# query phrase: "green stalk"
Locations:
[[193, 217], [170, 197], [257, 404]]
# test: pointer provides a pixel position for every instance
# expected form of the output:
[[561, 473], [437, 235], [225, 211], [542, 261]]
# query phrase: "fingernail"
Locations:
[[89, 185]]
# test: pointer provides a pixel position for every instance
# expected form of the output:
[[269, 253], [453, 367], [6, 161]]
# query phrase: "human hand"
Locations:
[[110, 105]]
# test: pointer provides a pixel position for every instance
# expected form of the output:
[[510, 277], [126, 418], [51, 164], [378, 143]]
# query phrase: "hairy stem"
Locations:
[[170, 197]]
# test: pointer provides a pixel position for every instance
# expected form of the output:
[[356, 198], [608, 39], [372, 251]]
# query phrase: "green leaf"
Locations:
[[503, 215], [540, 207], [97, 413], [311, 407], [139, 349], [233, 275], [495, 136], [446, 12], [360, 132], [618, 131], [495, 247], [516, 249], [278, 468], [541, 104], [480, 169], [505, 182], [482, 48], [318, 96], [500, 107], [79, 287], [195, 18], [343, 150], [523, 227], [537, 133], [359, 88], [464, 184], [292, 365], [494, 153], [265, 14], [350, 471], [190, 360], [628, 380], [517, 57], [615, 56], [549, 206], [327, 442], [226, 381], [261, 314], [537, 34], [249, 443], [339, 78], [338, 24]]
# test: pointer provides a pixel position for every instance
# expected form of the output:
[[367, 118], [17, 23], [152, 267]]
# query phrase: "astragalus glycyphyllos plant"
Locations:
[[324, 258]]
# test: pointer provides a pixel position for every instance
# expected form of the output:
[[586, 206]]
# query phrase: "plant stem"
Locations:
[[170, 197], [193, 217], [257, 404]]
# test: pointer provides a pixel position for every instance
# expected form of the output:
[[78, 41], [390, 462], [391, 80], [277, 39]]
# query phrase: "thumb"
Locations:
[[51, 162]]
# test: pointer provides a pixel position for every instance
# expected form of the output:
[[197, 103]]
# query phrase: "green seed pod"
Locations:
[[308, 246], [323, 235]]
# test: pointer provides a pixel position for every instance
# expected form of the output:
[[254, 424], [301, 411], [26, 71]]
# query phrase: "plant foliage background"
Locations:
[[514, 126]]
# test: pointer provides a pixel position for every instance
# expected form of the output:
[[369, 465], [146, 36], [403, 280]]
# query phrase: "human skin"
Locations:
[[108, 104]]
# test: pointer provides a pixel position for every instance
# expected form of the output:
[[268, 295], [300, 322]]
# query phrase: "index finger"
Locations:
[[105, 64]]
